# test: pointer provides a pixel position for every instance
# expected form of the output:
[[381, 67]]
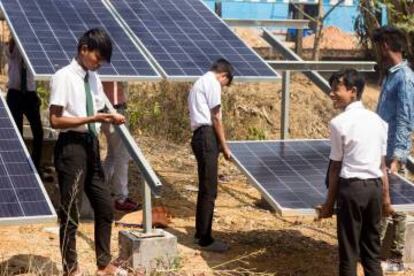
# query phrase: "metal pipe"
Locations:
[[285, 103]]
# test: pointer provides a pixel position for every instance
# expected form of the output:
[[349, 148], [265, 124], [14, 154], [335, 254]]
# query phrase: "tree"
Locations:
[[319, 21]]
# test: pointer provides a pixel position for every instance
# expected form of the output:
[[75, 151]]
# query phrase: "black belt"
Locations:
[[201, 127], [77, 136], [356, 179]]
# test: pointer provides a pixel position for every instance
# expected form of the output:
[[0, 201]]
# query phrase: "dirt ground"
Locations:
[[262, 242]]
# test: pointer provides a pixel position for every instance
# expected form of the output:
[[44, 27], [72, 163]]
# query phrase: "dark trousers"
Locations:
[[28, 104], [359, 205], [206, 150], [78, 166]]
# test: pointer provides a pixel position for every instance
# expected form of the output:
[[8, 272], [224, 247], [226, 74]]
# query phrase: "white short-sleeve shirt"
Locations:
[[204, 96], [68, 91], [358, 139]]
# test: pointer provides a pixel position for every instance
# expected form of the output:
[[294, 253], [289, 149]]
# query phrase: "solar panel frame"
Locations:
[[306, 211], [27, 219], [184, 77], [103, 76]]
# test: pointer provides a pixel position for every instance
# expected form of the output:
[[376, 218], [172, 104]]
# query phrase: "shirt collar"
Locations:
[[398, 66], [77, 69], [354, 105]]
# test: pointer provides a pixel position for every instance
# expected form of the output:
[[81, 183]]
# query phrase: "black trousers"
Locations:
[[205, 147], [78, 166], [28, 104], [359, 204]]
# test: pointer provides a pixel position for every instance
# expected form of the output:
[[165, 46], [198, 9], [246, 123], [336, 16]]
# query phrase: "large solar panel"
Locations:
[[22, 196], [291, 174], [47, 32], [185, 38]]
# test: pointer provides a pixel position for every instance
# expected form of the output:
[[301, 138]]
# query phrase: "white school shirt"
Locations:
[[68, 90], [204, 96], [358, 139], [14, 71]]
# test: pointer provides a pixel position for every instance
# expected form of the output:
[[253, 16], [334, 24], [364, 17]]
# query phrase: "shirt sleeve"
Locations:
[[337, 148], [58, 91], [100, 97], [213, 95], [404, 117]]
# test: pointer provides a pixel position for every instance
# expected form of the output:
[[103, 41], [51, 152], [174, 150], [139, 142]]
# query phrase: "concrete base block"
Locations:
[[409, 242], [148, 252]]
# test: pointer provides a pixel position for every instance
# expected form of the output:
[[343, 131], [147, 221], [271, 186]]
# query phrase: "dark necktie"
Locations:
[[89, 105]]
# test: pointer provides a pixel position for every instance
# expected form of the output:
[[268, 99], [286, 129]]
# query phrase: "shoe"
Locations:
[[392, 266], [111, 270], [216, 246], [128, 205]]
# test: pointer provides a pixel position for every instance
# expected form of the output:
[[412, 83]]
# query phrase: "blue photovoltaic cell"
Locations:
[[293, 172], [21, 194], [48, 31], [185, 38]]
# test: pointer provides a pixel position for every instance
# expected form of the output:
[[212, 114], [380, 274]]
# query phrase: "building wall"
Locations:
[[342, 17]]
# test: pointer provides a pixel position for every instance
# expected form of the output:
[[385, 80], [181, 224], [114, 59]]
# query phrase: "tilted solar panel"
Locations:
[[185, 38], [47, 32], [291, 174], [22, 196]]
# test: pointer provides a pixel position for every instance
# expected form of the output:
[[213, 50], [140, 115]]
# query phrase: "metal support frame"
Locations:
[[151, 182], [284, 117], [299, 24], [288, 54], [147, 208], [325, 66]]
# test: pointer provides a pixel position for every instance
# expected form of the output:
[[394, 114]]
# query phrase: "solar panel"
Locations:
[[185, 38], [22, 196], [47, 32], [291, 174]]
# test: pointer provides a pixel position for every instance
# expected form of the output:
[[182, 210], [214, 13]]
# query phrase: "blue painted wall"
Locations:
[[342, 17]]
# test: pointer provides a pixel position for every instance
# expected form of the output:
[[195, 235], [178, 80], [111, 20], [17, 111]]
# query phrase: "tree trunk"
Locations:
[[318, 32]]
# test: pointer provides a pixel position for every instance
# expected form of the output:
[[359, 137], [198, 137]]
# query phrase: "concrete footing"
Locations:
[[157, 250]]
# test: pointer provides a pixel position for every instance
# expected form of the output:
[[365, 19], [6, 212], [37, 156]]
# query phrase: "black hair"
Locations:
[[223, 66], [350, 78], [97, 39], [391, 35]]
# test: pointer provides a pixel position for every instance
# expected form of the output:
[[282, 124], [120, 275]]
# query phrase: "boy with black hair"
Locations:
[[358, 181], [204, 104], [396, 107], [76, 96]]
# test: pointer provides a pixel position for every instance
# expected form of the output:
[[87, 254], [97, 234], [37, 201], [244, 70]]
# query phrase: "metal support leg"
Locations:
[[147, 208], [284, 122]]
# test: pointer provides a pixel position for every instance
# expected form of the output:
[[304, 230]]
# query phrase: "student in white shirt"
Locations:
[[358, 180], [75, 100], [204, 104], [22, 99]]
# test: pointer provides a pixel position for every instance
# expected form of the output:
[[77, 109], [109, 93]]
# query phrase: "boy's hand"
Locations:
[[387, 209], [226, 152], [394, 166], [324, 211], [102, 118], [118, 119]]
